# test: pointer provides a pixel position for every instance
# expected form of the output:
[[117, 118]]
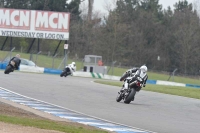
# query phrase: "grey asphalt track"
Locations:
[[156, 112]]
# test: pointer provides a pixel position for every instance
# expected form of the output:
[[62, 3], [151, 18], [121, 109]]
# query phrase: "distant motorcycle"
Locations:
[[66, 71], [128, 95], [10, 67]]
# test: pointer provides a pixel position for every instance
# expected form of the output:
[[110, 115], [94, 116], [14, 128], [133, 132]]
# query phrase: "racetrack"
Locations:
[[150, 111]]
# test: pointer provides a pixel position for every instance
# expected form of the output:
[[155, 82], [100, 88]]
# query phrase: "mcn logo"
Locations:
[[14, 19], [52, 20], [34, 20]]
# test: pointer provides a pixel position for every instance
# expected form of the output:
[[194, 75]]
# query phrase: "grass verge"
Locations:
[[47, 124], [159, 76], [173, 90]]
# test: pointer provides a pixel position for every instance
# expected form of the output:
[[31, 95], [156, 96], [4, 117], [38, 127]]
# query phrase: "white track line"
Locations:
[[79, 112]]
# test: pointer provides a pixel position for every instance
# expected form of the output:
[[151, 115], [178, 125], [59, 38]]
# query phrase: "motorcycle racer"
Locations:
[[69, 69], [133, 74]]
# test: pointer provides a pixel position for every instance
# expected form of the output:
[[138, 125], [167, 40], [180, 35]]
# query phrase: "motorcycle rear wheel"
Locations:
[[130, 96]]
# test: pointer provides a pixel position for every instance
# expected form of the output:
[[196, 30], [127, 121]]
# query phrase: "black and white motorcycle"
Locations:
[[68, 70], [128, 94]]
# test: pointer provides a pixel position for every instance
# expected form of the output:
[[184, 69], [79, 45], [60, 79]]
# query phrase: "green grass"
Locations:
[[173, 90], [158, 76], [179, 79], [46, 61], [47, 124]]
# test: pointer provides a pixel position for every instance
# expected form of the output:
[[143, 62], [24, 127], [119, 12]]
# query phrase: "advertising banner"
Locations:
[[34, 24]]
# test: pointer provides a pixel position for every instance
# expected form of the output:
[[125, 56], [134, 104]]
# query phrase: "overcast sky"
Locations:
[[101, 5], [166, 3]]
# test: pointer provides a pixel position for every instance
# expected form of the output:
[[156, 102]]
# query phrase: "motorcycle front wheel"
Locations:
[[8, 69], [119, 97], [62, 74]]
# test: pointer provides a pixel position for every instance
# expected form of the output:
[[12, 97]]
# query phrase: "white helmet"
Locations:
[[143, 68], [73, 63], [73, 66], [18, 55]]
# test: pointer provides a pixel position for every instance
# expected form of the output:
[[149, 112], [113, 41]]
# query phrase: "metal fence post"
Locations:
[[37, 56], [11, 51], [53, 60], [113, 64]]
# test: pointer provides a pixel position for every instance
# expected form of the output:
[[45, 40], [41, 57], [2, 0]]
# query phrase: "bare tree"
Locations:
[[90, 9], [186, 34], [46, 7], [196, 6], [1, 3]]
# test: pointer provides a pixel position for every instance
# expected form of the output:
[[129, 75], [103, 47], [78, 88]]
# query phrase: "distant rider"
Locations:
[[71, 67], [17, 61], [134, 73]]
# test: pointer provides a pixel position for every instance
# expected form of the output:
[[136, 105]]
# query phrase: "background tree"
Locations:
[[17, 4], [134, 33]]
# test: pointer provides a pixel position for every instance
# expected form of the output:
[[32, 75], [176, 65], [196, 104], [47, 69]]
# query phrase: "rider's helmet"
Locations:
[[18, 55], [73, 63], [144, 68], [73, 66]]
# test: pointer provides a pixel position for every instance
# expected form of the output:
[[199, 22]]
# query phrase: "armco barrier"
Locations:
[[190, 85], [151, 81], [3, 65], [52, 71], [159, 82]]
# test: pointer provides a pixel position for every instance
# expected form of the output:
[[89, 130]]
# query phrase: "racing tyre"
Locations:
[[119, 97], [130, 96], [8, 69], [62, 74]]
